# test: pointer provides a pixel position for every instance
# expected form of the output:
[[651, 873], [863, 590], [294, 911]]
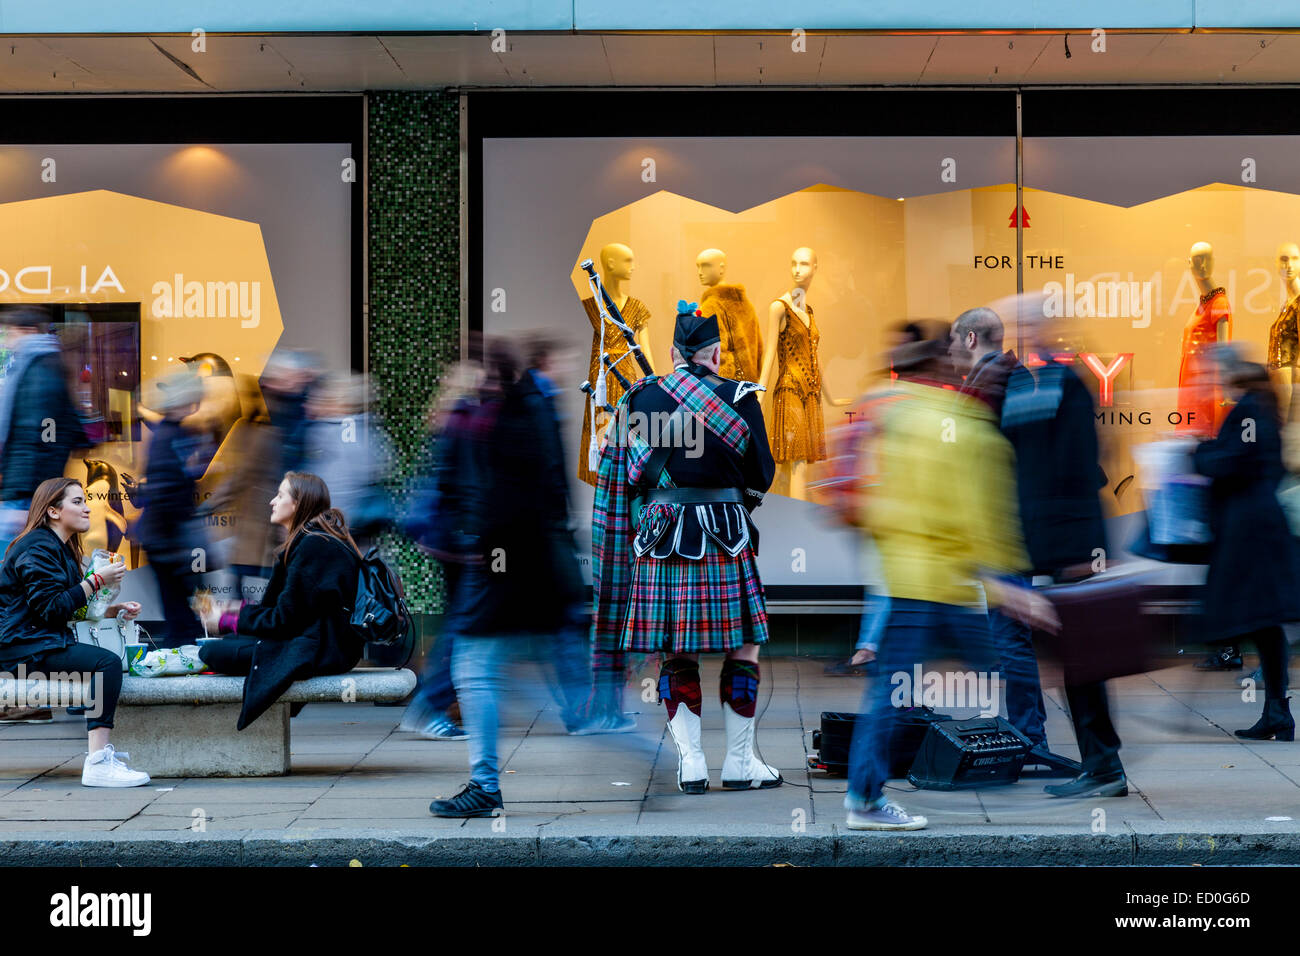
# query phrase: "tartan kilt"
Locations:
[[711, 604]]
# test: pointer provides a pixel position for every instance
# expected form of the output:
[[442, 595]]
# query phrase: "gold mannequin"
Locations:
[[742, 345], [1199, 401], [616, 263], [1283, 348], [797, 434]]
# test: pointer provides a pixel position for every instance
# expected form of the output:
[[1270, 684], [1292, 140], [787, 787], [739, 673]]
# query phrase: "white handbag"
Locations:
[[110, 634]]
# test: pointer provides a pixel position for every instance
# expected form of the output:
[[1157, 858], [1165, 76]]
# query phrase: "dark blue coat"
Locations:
[[1254, 566]]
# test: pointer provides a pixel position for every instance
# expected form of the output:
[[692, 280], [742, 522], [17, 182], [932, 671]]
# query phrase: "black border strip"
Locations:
[[1192, 111], [203, 119]]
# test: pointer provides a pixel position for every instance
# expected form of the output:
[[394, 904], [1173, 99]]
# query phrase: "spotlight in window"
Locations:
[[153, 358]]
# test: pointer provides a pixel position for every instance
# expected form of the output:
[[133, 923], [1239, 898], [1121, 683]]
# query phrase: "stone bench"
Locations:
[[185, 726]]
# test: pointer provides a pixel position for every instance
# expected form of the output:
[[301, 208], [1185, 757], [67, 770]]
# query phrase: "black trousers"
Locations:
[[104, 669], [1271, 644], [176, 583], [1098, 741], [230, 655]]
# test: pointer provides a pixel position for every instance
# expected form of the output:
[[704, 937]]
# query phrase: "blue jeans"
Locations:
[[915, 631], [875, 613], [480, 670]]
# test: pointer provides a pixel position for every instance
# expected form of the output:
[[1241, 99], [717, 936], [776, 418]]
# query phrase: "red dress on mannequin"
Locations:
[[1199, 401]]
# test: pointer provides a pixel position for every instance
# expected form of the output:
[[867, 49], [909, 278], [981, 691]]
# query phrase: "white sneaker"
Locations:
[[107, 768], [887, 816]]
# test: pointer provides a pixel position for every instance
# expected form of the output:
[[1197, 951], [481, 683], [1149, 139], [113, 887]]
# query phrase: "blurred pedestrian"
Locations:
[[1049, 417], [517, 591], [942, 513], [976, 350], [349, 450], [439, 526], [39, 425], [1244, 463], [170, 529]]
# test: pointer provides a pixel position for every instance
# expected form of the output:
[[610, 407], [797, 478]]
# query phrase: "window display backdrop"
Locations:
[[901, 228], [1112, 227], [217, 254]]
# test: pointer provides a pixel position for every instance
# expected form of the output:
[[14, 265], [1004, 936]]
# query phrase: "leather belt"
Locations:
[[694, 496]]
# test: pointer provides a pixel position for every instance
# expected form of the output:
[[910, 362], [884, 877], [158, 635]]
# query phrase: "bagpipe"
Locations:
[[609, 313]]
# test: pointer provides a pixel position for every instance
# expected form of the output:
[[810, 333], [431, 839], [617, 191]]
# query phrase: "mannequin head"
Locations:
[[1288, 263], [616, 261], [711, 265], [803, 266], [1201, 260]]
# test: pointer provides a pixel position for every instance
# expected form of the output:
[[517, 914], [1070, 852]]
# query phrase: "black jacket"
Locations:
[[301, 624], [28, 458], [1254, 572], [1058, 474], [516, 497], [40, 590]]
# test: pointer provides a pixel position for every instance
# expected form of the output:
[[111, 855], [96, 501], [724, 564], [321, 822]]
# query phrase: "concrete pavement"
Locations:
[[360, 790]]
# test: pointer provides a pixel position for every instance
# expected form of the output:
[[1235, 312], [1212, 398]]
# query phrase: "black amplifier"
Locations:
[[833, 740], [978, 752]]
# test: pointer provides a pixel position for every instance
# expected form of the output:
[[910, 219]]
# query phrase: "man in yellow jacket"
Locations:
[[943, 516]]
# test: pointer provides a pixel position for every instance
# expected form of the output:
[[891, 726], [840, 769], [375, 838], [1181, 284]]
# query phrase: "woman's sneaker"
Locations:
[[887, 816], [107, 768], [440, 727]]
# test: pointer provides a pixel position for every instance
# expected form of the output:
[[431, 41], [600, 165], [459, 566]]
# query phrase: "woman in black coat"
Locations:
[[1254, 567], [42, 589], [301, 629]]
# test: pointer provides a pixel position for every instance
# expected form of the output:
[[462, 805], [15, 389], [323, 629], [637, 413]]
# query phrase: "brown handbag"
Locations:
[[1113, 624]]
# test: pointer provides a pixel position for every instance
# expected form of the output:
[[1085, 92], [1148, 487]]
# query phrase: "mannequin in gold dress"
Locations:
[[616, 263], [742, 344], [798, 432], [1283, 348]]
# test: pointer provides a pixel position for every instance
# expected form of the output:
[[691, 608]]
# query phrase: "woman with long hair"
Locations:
[[41, 590], [1247, 599], [301, 629]]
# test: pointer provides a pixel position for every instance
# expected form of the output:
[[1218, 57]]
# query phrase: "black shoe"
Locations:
[[1057, 766], [1228, 659], [1275, 723], [1109, 784], [473, 801]]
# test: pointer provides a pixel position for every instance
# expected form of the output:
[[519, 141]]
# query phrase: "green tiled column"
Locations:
[[414, 199]]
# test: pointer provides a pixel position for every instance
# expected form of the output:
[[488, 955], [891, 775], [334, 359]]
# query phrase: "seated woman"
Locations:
[[301, 628], [41, 590]]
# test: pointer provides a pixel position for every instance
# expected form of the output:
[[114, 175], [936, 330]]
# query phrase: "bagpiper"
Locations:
[[686, 460]]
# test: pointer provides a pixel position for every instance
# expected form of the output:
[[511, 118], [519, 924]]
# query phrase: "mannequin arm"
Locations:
[[775, 326], [831, 400], [643, 339], [1221, 331]]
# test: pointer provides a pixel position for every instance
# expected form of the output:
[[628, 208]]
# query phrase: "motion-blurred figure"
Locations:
[[519, 586], [259, 450], [351, 453], [439, 527], [976, 350], [39, 426], [1048, 416], [1244, 462], [170, 529], [942, 514]]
